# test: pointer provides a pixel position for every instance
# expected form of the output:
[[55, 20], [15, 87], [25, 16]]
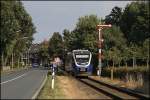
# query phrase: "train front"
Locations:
[[82, 62]]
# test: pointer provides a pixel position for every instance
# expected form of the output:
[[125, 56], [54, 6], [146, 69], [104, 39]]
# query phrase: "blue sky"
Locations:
[[55, 16]]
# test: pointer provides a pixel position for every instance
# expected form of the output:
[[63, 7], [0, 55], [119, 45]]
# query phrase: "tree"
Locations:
[[43, 52], [90, 42], [67, 40], [56, 45], [86, 34], [16, 24], [9, 28], [126, 55], [133, 53], [114, 43], [114, 17], [145, 50], [135, 22], [27, 29]]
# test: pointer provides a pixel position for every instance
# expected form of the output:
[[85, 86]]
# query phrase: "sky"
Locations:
[[55, 16]]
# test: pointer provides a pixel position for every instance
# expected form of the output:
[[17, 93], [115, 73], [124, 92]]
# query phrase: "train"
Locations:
[[78, 62]]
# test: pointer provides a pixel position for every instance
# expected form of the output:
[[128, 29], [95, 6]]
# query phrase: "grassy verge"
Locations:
[[48, 93], [11, 70], [134, 78], [121, 72]]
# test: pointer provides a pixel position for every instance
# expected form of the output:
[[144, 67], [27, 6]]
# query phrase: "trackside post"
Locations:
[[100, 43], [53, 76]]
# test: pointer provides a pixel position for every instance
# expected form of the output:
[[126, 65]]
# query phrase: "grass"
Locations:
[[134, 82], [133, 77], [121, 72], [48, 93], [10, 70]]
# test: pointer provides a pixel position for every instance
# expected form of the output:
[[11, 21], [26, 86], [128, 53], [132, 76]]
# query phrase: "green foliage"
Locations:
[[90, 42], [113, 37], [146, 46], [85, 33], [56, 45], [135, 51], [67, 40], [87, 24], [114, 17], [9, 26], [15, 25], [43, 52], [135, 22], [114, 44]]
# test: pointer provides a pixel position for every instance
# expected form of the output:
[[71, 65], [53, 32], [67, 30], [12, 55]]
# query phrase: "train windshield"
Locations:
[[82, 58]]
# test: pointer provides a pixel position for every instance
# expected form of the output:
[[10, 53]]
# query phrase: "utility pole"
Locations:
[[12, 62], [2, 61], [28, 57], [22, 62], [100, 42], [18, 61]]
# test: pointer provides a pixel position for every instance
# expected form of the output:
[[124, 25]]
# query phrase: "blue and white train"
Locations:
[[79, 63]]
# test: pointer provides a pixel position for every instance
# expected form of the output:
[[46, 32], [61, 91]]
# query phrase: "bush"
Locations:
[[121, 72]]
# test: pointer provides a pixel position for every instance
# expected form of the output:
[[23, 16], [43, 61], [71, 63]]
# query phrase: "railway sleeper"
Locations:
[[114, 94], [129, 92]]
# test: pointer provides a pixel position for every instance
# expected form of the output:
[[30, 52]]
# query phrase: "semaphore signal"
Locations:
[[100, 44]]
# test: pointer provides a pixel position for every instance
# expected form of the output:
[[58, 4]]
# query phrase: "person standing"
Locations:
[[55, 66]]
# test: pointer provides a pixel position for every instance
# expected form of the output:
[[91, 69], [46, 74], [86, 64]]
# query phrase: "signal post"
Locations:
[[100, 43]]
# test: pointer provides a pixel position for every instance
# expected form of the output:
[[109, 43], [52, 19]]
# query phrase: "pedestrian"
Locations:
[[54, 64]]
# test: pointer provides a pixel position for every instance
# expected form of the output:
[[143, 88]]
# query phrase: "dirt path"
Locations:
[[74, 89]]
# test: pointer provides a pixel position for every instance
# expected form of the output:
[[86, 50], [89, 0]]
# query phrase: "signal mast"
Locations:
[[100, 42]]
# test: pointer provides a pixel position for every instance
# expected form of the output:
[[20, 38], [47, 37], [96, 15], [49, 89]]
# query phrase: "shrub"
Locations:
[[121, 72]]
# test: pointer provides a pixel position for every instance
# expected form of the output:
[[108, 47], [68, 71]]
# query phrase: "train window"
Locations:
[[82, 56], [82, 59]]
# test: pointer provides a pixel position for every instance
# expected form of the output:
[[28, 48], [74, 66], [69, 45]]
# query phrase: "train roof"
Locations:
[[79, 50]]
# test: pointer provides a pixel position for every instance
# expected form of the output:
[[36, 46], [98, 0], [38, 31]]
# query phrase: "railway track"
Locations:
[[111, 91]]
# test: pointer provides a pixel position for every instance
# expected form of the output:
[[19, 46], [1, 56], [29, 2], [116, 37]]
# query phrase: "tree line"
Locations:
[[124, 43], [17, 31]]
